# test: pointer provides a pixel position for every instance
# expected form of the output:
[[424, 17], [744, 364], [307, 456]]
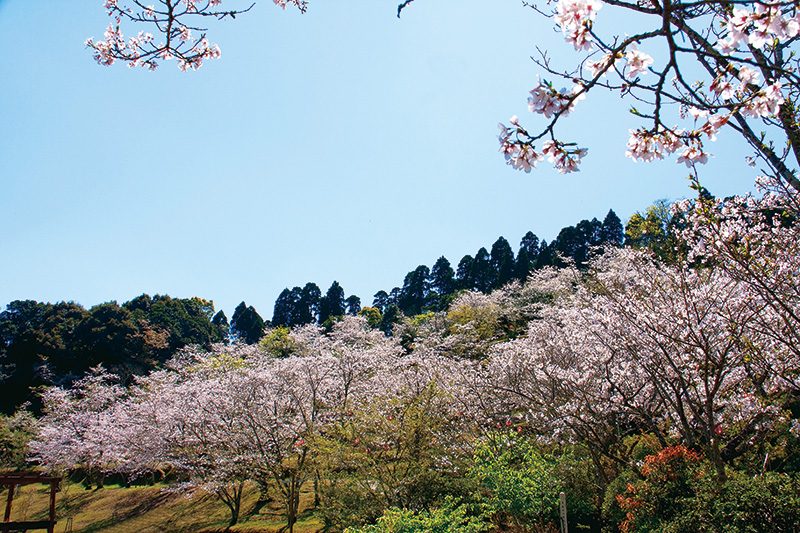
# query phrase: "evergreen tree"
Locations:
[[297, 315], [442, 283], [187, 320], [546, 256], [353, 305], [246, 324], [483, 274], [464, 279], [309, 304], [390, 317], [415, 291], [502, 259], [527, 256], [612, 232], [284, 307], [380, 300], [394, 295], [220, 321], [332, 304]]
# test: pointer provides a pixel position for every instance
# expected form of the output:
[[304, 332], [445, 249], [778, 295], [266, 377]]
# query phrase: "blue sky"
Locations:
[[340, 144]]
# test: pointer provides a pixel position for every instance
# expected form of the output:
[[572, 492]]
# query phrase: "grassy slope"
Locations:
[[150, 510]]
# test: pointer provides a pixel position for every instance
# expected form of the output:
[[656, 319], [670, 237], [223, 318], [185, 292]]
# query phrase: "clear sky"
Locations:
[[340, 144]]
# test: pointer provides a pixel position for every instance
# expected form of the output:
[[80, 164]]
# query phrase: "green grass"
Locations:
[[152, 509]]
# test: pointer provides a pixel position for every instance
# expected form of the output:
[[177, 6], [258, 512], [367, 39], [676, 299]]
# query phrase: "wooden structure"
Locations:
[[17, 479]]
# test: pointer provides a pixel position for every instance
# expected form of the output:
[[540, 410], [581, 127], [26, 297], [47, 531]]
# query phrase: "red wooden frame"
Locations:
[[12, 480]]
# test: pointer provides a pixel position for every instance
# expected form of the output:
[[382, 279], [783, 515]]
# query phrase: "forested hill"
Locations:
[[431, 289], [43, 344]]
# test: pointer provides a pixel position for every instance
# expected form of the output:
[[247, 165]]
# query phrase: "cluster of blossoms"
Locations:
[[545, 100], [575, 18], [759, 27], [645, 145], [172, 23], [517, 145]]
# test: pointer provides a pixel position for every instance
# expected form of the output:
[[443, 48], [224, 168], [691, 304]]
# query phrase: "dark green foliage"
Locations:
[[546, 256], [220, 322], [612, 232], [380, 300], [391, 316], [332, 304], [576, 242], [283, 310], [353, 303], [309, 301], [527, 256], [464, 276], [246, 324], [111, 335], [415, 292], [502, 260], [483, 275], [188, 320], [442, 283], [297, 307], [47, 344]]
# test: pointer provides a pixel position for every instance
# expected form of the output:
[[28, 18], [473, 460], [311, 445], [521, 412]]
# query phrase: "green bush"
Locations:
[[449, 518], [16, 432], [522, 483]]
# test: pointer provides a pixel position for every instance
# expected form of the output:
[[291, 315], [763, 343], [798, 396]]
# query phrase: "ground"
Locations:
[[151, 509]]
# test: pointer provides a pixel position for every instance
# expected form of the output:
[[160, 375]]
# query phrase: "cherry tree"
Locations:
[[674, 351], [76, 422], [755, 240], [687, 68]]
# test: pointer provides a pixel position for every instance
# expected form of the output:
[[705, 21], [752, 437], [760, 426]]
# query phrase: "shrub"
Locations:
[[449, 518], [679, 492], [522, 483]]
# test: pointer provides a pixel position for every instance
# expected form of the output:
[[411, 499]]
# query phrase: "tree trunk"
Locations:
[[263, 497], [292, 504], [232, 497]]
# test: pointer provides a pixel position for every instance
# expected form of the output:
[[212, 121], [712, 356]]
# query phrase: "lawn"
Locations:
[[152, 509]]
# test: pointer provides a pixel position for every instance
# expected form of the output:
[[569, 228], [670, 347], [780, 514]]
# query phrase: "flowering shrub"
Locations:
[[677, 494]]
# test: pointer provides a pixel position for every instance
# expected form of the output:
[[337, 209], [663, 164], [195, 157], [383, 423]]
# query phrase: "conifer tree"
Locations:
[[483, 275], [332, 304], [612, 232], [246, 324], [464, 279], [502, 259], [353, 303]]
